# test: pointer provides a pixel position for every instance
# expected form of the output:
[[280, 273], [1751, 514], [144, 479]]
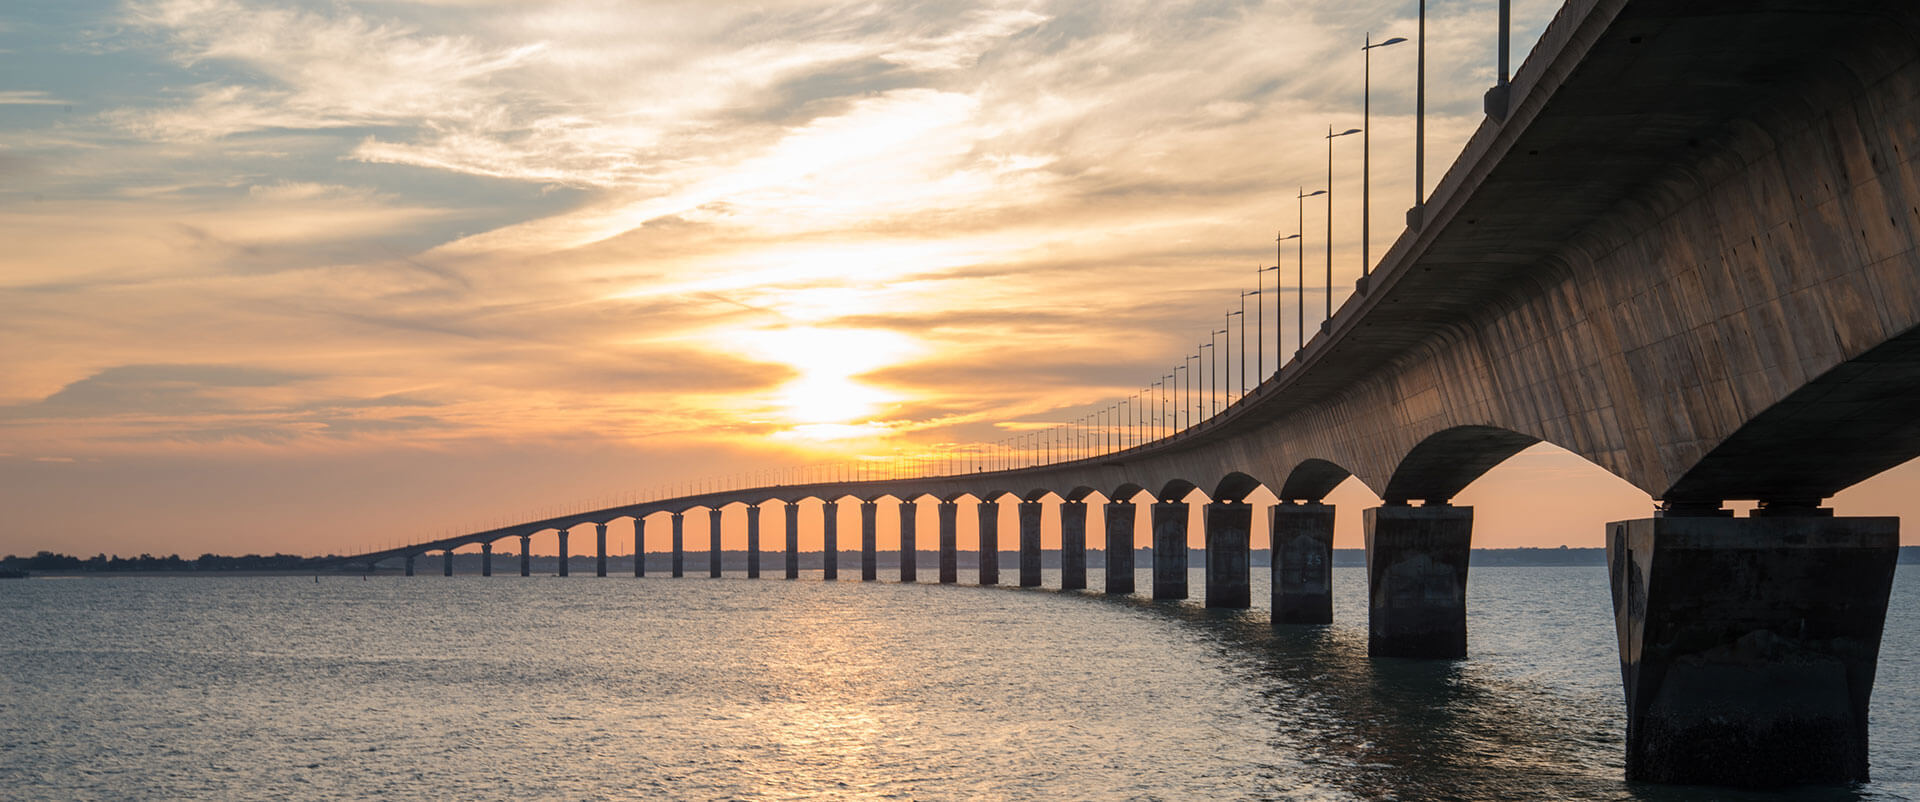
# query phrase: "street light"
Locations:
[[1260, 323], [1243, 351], [1300, 277], [1416, 216], [1209, 399], [1366, 142], [1330, 137]]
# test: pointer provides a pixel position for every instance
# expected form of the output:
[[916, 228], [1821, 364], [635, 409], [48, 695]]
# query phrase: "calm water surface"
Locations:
[[584, 688]]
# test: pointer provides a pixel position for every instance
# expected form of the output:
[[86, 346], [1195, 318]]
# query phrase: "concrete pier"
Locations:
[[679, 545], [753, 541], [562, 537], [526, 555], [1302, 563], [909, 523], [830, 548], [486, 558], [1073, 545], [600, 555], [989, 551], [1120, 520], [446, 563], [792, 556], [639, 547], [713, 542], [1169, 550], [1029, 512], [409, 565], [949, 514], [869, 542], [1228, 537], [1748, 645], [1417, 580]]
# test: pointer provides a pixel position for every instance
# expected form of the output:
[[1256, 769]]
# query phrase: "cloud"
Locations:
[[18, 97], [168, 390]]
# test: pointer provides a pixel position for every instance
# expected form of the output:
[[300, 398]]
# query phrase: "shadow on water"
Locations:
[[1392, 728]]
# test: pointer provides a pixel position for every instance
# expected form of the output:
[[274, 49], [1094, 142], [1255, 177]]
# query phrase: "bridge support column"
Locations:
[[1302, 563], [1229, 547], [1073, 545], [526, 555], [1417, 580], [949, 542], [409, 565], [600, 549], [909, 523], [679, 545], [446, 563], [713, 542], [1748, 645], [830, 545], [753, 541], [869, 545], [486, 558], [563, 551], [989, 550], [639, 546], [792, 556], [1120, 520], [1169, 550], [1029, 512]]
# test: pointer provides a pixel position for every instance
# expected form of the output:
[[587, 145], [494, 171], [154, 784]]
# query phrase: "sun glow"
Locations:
[[825, 399]]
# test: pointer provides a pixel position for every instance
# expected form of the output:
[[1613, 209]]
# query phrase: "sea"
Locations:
[[387, 687]]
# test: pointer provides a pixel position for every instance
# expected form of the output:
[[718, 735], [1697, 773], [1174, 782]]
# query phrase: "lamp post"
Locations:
[[1242, 314], [1330, 137], [1497, 97], [1259, 337], [1300, 276], [1366, 142], [1209, 399], [1416, 216], [1186, 393], [1260, 324]]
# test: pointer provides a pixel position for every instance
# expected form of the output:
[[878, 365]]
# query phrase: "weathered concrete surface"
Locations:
[[679, 545], [909, 522], [869, 541], [1029, 513], [600, 551], [830, 549], [562, 538], [1302, 563], [1229, 575], [792, 555], [1073, 545], [989, 550], [1120, 524], [1169, 550], [949, 514], [526, 555], [1417, 580], [486, 558], [1748, 645]]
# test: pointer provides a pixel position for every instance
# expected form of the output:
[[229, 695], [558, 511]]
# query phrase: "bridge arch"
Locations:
[[1080, 493], [1126, 492], [1447, 461], [1039, 494], [1312, 480], [1837, 430], [1175, 490], [1235, 487]]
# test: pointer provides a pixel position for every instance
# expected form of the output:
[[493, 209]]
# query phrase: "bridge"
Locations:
[[1682, 246]]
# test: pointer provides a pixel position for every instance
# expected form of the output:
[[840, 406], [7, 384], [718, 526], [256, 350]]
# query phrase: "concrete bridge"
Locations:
[[1682, 246]]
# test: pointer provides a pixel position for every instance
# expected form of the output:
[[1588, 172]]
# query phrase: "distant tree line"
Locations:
[[51, 561]]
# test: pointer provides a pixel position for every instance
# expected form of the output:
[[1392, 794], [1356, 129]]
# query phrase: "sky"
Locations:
[[319, 277]]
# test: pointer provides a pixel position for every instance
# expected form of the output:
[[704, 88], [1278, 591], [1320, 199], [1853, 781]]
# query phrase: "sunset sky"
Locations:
[[322, 276]]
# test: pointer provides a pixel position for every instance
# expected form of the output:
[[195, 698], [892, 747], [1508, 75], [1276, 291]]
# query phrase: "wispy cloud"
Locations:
[[22, 97]]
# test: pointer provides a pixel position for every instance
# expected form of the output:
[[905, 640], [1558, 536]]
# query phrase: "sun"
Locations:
[[827, 360]]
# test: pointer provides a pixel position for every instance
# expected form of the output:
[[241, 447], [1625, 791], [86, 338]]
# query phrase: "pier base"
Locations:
[[486, 559], [753, 541], [600, 554], [1302, 563], [1229, 577], [1073, 545], [563, 552], [526, 555], [792, 556], [1417, 580], [679, 545], [949, 514], [1120, 520], [909, 530], [639, 547], [1169, 550], [1029, 544], [989, 551], [869, 545], [713, 542], [1748, 645], [830, 546]]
